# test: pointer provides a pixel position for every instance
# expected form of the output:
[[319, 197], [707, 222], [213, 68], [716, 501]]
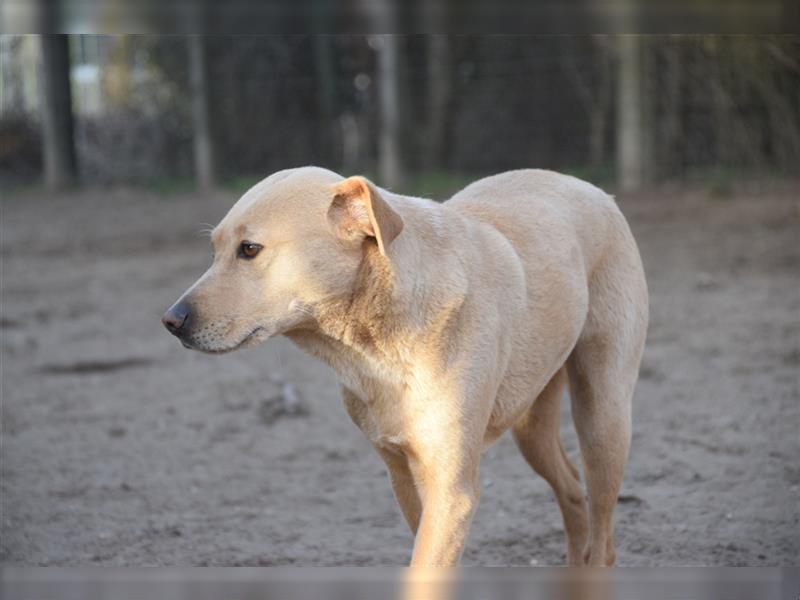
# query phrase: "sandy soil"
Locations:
[[121, 448]]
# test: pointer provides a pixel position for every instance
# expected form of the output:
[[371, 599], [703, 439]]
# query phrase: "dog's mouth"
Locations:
[[225, 349]]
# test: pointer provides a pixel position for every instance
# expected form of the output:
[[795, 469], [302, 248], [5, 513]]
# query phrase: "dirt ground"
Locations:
[[119, 447]]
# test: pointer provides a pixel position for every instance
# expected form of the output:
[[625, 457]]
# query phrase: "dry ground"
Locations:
[[121, 448]]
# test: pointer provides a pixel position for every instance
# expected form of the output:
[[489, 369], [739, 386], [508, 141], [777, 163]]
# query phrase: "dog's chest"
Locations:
[[379, 400], [377, 390], [378, 411], [379, 423]]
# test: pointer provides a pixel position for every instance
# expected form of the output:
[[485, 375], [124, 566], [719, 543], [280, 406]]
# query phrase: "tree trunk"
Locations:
[[647, 85], [439, 90], [117, 78], [630, 139], [671, 151], [204, 167], [601, 106], [58, 139], [326, 95], [389, 160]]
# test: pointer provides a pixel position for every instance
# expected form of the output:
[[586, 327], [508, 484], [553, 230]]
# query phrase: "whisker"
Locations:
[[306, 310], [206, 229]]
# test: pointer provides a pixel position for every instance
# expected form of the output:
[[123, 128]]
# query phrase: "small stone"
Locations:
[[706, 283], [729, 516], [487, 483], [534, 562], [117, 432], [287, 403]]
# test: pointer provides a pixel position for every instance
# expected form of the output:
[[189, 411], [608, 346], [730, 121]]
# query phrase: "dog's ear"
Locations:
[[357, 210]]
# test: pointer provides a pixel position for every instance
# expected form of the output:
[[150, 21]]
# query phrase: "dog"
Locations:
[[448, 324]]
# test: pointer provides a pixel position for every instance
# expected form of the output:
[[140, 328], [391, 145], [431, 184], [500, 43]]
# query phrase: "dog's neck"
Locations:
[[362, 320], [396, 301], [352, 334], [376, 322]]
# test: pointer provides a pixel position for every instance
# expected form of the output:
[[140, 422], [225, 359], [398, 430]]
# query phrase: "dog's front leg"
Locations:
[[403, 484], [405, 490], [449, 482]]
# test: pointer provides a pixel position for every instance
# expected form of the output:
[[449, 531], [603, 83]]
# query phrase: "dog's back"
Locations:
[[545, 214]]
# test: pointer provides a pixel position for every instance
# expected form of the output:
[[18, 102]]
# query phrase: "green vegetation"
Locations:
[[602, 175], [438, 185]]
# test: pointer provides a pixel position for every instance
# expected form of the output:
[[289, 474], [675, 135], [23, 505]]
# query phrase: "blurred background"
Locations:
[[116, 152], [413, 111]]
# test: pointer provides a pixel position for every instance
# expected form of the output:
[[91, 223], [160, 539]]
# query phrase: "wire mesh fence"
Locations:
[[468, 104]]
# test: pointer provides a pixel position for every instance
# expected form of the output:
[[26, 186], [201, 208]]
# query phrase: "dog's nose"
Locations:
[[176, 317]]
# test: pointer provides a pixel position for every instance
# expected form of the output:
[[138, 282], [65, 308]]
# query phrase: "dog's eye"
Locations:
[[249, 250]]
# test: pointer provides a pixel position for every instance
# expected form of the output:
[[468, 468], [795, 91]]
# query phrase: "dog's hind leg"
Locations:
[[602, 370], [538, 437]]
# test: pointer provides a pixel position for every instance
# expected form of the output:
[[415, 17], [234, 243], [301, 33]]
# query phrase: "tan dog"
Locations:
[[448, 324]]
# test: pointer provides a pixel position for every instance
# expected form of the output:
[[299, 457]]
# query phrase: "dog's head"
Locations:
[[292, 242]]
